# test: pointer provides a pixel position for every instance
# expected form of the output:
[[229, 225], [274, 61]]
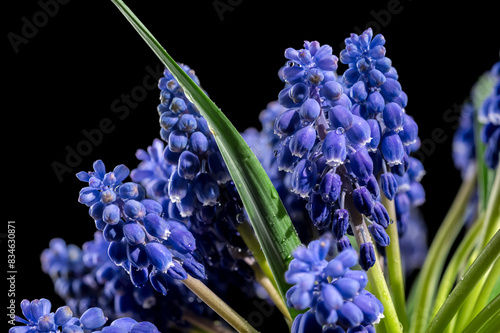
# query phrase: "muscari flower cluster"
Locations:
[[489, 116], [264, 145], [87, 277], [332, 293], [463, 147], [39, 318], [348, 136], [142, 242], [188, 176]]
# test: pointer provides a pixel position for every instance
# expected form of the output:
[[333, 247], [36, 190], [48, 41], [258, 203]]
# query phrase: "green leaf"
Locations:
[[424, 291], [267, 214], [485, 317], [495, 292], [450, 307]]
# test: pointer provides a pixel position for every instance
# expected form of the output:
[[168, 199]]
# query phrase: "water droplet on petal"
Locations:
[[340, 130]]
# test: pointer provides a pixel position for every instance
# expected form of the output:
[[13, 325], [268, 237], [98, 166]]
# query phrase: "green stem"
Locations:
[[486, 258], [438, 251], [459, 257], [395, 272], [218, 305], [485, 317], [375, 275]]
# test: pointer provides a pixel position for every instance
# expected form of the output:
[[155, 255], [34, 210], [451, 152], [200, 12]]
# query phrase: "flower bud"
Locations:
[[379, 234], [334, 148], [302, 141], [159, 256], [363, 201], [366, 256], [304, 177], [340, 116], [287, 123]]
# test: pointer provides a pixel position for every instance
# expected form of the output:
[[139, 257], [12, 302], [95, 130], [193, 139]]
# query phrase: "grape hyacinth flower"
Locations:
[[464, 149], [90, 278], [40, 319], [142, 242], [333, 293], [348, 137], [188, 176]]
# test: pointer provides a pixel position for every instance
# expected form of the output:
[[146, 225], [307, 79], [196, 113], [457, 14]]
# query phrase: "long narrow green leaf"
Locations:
[[267, 214], [436, 257], [459, 258], [485, 317], [450, 307]]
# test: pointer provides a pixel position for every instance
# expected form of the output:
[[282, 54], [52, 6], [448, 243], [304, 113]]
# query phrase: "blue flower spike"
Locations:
[[332, 293], [40, 319], [343, 134], [140, 239]]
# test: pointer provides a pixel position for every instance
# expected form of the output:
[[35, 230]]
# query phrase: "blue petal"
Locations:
[[92, 319], [152, 206], [363, 201], [125, 323], [62, 315], [331, 296], [181, 238], [138, 277], [310, 110], [144, 327], [159, 281], [111, 214], [366, 256], [156, 226], [188, 165], [349, 258], [159, 256], [194, 268], [134, 209], [361, 163], [134, 233], [218, 168], [394, 117], [287, 123], [187, 123], [392, 148], [325, 316], [304, 177], [340, 223], [330, 187], [334, 148], [359, 133], [359, 276], [350, 315], [100, 169], [206, 189], [198, 143], [379, 234]]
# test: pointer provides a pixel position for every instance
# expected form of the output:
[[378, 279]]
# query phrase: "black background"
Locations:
[[65, 77]]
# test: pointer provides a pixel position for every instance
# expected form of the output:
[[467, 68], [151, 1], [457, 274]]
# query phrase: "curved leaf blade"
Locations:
[[267, 214]]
